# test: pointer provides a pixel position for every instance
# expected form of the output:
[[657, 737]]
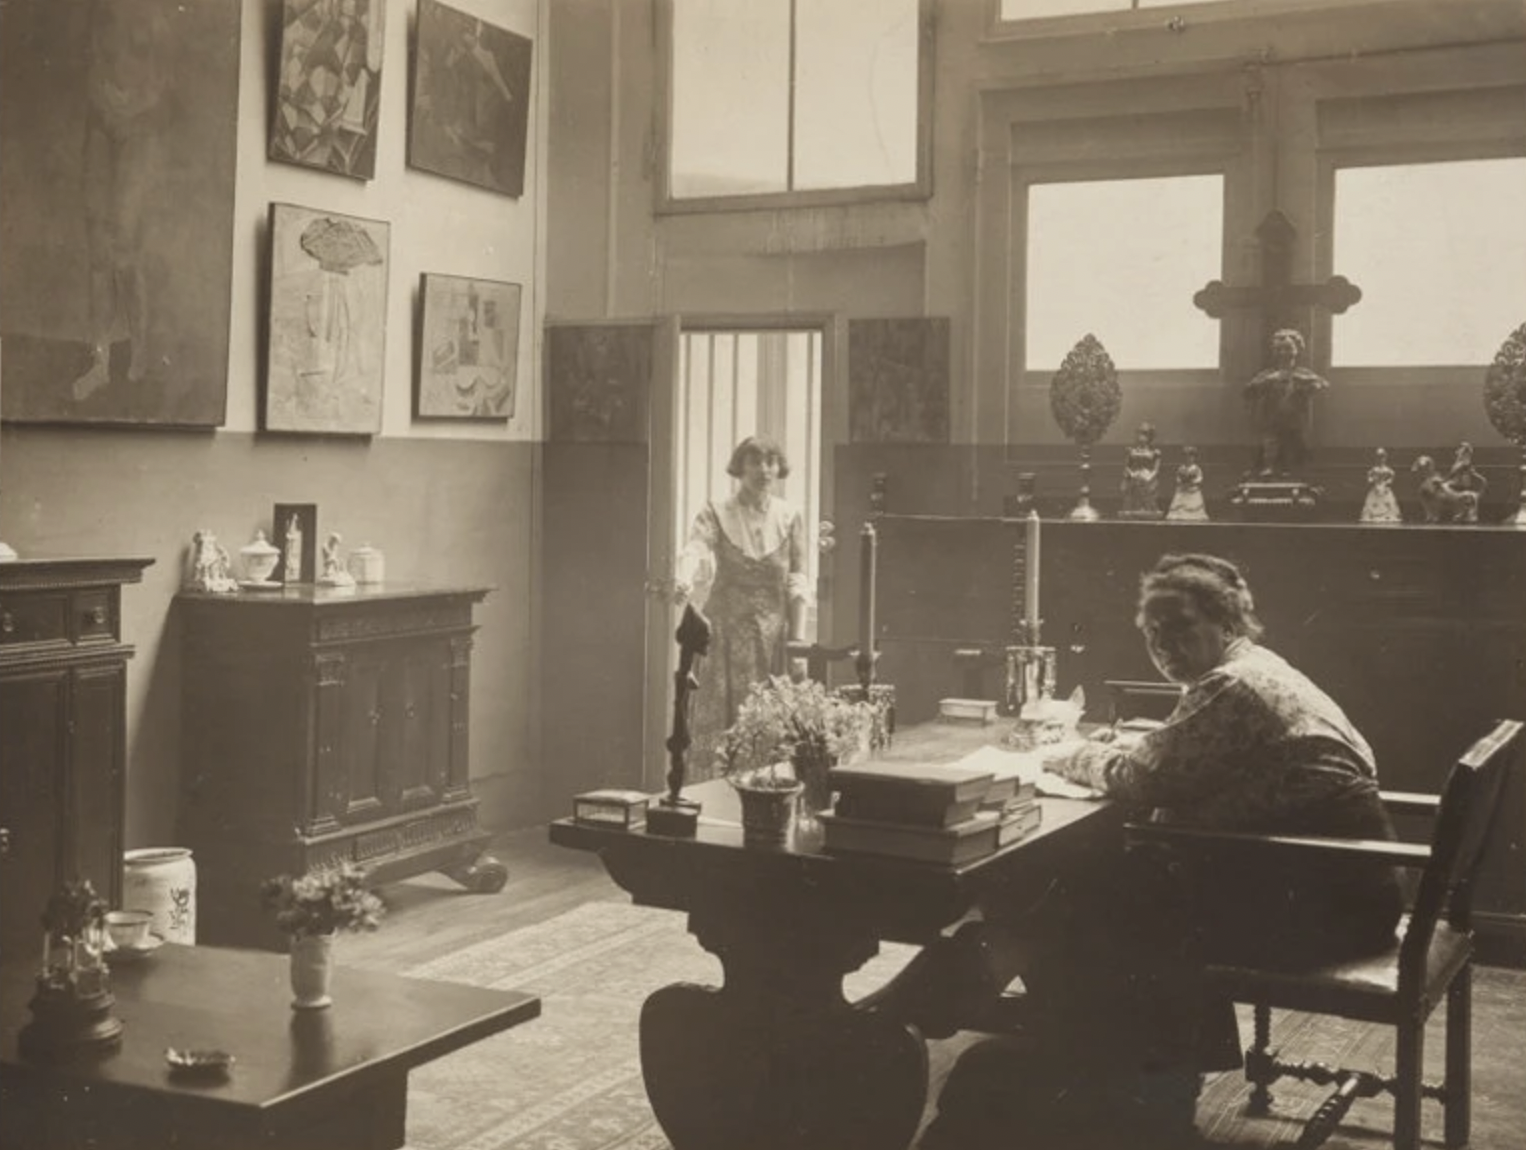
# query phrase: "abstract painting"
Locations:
[[328, 322], [898, 380], [469, 355], [598, 380], [471, 100], [117, 158], [329, 87]]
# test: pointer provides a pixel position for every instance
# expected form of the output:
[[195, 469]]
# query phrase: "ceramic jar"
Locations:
[[312, 966], [162, 881], [259, 559], [365, 564]]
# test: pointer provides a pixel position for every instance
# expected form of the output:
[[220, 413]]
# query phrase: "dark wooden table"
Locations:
[[334, 1079], [777, 1057]]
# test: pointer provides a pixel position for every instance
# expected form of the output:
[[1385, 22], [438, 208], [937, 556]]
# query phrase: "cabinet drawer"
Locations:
[[35, 617], [95, 615]]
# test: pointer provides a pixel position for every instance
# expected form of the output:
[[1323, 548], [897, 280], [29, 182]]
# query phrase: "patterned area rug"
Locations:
[[571, 1080]]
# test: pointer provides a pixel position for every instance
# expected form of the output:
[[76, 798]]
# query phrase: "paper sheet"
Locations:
[[1029, 766]]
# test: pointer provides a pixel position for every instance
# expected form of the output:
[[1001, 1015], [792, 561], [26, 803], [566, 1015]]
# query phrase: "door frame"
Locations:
[[663, 546]]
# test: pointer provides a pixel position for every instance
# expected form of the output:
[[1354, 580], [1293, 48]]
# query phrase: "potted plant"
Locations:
[[786, 737], [311, 909]]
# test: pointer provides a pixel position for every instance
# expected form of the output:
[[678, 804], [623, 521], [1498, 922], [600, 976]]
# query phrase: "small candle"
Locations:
[[868, 545], [1031, 571]]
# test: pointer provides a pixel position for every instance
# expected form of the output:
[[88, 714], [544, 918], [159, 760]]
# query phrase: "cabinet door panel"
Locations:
[[33, 718], [365, 736], [426, 727], [95, 778]]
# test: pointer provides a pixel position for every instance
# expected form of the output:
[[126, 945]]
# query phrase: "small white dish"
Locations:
[[124, 954]]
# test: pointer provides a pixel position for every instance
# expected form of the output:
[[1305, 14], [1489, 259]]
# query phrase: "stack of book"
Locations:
[[946, 814]]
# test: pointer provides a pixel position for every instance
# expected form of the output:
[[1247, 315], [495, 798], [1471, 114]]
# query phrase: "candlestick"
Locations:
[[1031, 572], [867, 555]]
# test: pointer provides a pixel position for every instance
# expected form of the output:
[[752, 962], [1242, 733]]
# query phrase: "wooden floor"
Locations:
[[431, 916]]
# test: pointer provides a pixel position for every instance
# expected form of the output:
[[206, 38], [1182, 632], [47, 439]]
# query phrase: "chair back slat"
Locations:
[[1469, 805]]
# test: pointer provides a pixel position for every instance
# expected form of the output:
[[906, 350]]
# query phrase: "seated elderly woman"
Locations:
[[1108, 956]]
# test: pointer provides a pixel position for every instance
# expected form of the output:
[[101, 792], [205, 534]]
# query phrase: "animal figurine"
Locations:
[[1440, 501]]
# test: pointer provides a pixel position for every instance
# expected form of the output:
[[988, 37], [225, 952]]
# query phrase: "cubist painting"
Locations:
[[328, 322], [117, 157], [469, 356], [329, 87]]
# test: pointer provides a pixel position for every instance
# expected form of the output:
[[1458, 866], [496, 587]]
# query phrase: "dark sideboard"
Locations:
[[323, 725]]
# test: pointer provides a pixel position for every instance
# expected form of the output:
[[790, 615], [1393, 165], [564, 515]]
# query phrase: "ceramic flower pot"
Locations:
[[767, 812], [312, 965]]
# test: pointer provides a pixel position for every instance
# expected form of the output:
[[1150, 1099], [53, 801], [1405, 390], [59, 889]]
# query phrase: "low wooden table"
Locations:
[[334, 1079], [777, 1058]]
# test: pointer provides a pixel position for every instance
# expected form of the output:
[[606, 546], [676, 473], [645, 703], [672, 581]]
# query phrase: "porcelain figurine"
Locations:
[[1381, 505], [1439, 500], [292, 569], [1141, 476], [334, 574], [1465, 477], [1187, 500], [209, 565]]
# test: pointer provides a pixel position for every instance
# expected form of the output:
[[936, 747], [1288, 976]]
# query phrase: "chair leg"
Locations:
[[1458, 1098], [1259, 1069], [1409, 1058]]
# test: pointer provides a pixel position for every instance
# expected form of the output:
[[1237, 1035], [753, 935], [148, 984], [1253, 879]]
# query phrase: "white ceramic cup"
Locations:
[[128, 929]]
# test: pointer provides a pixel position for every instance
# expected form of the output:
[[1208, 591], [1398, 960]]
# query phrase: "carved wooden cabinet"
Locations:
[[325, 724], [63, 692]]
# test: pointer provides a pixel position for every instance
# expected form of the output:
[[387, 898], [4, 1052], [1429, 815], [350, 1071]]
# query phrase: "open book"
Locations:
[[1029, 767]]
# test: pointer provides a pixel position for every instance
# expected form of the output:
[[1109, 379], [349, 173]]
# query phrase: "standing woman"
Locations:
[[745, 564]]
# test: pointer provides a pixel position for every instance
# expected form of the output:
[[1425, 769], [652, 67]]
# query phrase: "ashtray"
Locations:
[[198, 1062], [116, 955]]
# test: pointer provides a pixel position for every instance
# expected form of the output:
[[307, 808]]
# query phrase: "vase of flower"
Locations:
[[312, 966], [812, 767], [312, 908], [768, 807]]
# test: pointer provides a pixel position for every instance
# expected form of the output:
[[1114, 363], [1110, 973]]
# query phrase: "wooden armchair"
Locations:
[[1431, 957], [1140, 699]]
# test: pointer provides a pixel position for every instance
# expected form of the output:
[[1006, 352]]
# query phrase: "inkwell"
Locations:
[[673, 814]]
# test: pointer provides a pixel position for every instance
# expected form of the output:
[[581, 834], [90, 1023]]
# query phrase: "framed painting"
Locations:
[[898, 380], [599, 381], [329, 86], [469, 353], [294, 532], [328, 322], [471, 100], [117, 159]]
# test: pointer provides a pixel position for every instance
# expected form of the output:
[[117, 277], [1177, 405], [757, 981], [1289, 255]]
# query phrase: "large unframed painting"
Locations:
[[117, 158], [898, 380]]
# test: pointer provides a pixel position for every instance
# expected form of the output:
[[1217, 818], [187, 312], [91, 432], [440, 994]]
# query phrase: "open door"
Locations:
[[732, 377]]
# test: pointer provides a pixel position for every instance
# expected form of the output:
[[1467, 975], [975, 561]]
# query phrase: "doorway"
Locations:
[[731, 380]]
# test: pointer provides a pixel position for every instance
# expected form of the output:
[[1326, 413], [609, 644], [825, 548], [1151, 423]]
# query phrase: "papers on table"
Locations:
[[1029, 767]]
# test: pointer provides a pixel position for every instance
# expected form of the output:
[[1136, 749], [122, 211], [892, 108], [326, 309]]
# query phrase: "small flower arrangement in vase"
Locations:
[[786, 737], [311, 909]]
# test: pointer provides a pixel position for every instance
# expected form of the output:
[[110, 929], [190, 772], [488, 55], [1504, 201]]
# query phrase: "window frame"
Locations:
[[920, 188], [1147, 20]]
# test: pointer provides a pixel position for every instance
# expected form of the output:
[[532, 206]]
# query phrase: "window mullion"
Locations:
[[789, 136]]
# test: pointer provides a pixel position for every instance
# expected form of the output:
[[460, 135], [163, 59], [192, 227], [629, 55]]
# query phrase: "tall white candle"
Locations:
[[868, 545], [1031, 584]]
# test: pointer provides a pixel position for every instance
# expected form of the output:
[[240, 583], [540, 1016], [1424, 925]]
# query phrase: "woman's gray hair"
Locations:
[[1213, 586]]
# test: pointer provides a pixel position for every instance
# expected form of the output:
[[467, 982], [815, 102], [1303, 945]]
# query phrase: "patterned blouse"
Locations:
[[1253, 745]]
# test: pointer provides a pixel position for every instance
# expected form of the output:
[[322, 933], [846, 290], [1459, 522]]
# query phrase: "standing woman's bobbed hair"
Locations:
[[759, 447]]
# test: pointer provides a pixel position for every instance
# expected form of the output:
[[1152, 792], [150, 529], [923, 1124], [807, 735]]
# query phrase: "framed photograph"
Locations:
[[329, 86], [471, 100], [294, 532], [117, 158], [469, 353], [328, 322]]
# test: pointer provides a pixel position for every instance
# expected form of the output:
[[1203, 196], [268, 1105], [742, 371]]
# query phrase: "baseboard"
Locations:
[[1500, 939]]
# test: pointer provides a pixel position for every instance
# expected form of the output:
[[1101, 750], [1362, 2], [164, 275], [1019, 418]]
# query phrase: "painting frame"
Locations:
[[117, 179], [326, 322], [468, 348], [469, 110], [326, 107], [306, 517]]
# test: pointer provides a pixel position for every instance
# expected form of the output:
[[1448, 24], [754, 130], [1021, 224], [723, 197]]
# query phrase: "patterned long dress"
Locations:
[[748, 609]]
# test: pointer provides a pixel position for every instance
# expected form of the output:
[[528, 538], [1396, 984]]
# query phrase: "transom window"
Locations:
[[1121, 259], [1439, 251], [1033, 9], [775, 97]]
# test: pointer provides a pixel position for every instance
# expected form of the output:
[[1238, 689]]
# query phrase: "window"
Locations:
[[1439, 251], [1121, 259], [788, 96], [1033, 9]]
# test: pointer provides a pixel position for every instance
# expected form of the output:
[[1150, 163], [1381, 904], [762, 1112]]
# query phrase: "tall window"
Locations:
[[1121, 259], [1439, 251], [779, 96]]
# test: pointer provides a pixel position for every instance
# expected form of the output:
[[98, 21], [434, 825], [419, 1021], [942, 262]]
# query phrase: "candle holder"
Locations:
[[71, 1008], [1031, 674]]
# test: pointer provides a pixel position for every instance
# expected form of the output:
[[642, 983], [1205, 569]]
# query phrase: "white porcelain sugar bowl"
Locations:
[[366, 564], [259, 558]]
